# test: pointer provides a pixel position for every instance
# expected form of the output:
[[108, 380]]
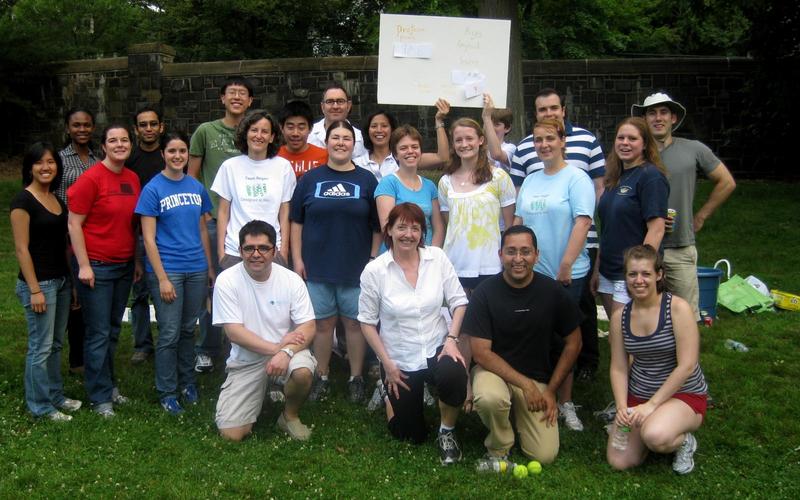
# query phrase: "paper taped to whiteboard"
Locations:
[[415, 50]]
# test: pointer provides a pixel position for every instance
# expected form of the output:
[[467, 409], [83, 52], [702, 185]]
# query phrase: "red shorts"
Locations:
[[697, 402]]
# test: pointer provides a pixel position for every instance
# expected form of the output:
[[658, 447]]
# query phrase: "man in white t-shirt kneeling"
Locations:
[[266, 313]]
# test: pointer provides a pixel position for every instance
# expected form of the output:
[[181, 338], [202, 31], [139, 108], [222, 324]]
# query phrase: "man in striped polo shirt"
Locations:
[[584, 152]]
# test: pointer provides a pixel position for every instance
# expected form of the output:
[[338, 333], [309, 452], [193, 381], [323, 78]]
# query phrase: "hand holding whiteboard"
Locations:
[[423, 58]]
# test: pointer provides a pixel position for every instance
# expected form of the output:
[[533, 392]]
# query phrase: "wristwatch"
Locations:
[[288, 352], [454, 339]]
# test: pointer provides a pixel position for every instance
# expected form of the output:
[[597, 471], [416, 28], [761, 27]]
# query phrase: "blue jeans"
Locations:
[[140, 311], [43, 384], [210, 339], [103, 307], [176, 320]]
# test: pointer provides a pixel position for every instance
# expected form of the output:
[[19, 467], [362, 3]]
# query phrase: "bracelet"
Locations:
[[34, 293], [288, 352], [454, 339], [439, 125]]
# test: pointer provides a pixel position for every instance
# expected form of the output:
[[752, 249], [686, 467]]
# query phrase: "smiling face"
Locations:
[[548, 144], [117, 145], [379, 130], [405, 235], [629, 145], [408, 152], [176, 155], [466, 142], [335, 105], [236, 99], [259, 137], [641, 278], [340, 145], [80, 127], [257, 253], [45, 169], [295, 133], [518, 257], [660, 120]]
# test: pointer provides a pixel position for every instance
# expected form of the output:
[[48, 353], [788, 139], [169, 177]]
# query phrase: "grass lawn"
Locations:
[[748, 447]]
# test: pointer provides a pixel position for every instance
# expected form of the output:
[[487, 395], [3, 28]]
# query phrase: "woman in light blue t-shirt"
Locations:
[[405, 185], [173, 207]]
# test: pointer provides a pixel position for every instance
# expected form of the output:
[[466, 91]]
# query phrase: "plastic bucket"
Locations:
[[708, 278]]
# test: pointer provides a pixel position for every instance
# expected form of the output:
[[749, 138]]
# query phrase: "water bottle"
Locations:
[[619, 440], [735, 345], [498, 466]]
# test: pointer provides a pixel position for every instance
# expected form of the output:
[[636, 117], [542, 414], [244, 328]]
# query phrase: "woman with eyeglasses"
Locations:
[[335, 232], [173, 208], [257, 185]]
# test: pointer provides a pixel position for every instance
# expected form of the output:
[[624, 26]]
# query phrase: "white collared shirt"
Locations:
[[317, 138], [380, 170], [412, 326]]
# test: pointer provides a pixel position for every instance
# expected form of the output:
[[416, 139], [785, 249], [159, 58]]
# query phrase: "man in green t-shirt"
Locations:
[[683, 158], [213, 143]]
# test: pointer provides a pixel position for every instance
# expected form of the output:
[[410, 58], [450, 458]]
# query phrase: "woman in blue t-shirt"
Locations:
[[632, 209], [405, 185], [174, 208], [39, 225]]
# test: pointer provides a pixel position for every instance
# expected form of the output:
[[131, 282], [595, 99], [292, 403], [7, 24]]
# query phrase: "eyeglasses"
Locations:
[[262, 249], [237, 92], [338, 102], [513, 252]]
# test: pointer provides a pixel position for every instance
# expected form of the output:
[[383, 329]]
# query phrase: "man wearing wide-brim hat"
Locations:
[[683, 157]]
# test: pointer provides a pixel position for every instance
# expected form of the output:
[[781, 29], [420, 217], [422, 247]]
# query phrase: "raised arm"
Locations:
[[442, 155]]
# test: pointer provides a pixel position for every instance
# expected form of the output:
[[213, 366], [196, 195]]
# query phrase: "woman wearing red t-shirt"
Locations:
[[101, 227]]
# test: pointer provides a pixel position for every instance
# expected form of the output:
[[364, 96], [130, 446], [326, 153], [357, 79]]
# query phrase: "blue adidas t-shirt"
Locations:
[[338, 214], [392, 186], [641, 195], [177, 207]]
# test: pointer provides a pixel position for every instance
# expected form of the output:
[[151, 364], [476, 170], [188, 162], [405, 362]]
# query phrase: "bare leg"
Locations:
[[356, 346], [296, 390], [323, 343], [449, 414], [665, 429], [632, 456], [565, 390], [236, 433], [608, 303]]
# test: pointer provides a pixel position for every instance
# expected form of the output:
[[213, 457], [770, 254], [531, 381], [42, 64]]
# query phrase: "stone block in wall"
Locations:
[[177, 85]]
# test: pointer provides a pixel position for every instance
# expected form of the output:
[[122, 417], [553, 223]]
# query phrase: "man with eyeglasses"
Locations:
[[336, 104], [213, 143], [267, 314], [146, 161], [512, 319]]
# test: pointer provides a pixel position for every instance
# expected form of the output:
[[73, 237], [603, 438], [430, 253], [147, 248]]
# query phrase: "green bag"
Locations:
[[739, 296]]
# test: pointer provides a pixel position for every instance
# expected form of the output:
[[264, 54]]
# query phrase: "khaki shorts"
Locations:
[[242, 394], [680, 269]]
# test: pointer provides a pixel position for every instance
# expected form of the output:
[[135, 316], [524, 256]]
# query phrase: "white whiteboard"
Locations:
[[422, 58]]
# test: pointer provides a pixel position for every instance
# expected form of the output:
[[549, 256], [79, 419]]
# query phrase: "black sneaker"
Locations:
[[356, 389], [319, 390], [449, 451]]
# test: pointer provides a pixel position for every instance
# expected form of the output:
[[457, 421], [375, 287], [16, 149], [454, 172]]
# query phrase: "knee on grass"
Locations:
[[236, 434]]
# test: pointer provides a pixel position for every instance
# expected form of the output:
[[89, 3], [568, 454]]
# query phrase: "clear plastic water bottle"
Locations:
[[735, 345], [497, 466], [619, 440]]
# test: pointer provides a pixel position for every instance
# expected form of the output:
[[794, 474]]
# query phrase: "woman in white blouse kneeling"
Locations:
[[404, 290]]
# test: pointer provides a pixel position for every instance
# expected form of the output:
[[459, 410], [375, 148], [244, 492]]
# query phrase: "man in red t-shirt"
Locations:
[[296, 119]]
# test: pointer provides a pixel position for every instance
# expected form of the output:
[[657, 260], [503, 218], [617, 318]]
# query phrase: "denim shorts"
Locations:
[[331, 300]]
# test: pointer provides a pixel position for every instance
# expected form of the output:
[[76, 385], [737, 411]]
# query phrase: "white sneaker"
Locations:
[[567, 412], [70, 405], [203, 363], [428, 397], [683, 463], [607, 414], [57, 416], [119, 399], [378, 397]]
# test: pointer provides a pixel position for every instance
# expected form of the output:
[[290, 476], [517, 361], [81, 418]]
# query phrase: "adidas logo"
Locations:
[[337, 191]]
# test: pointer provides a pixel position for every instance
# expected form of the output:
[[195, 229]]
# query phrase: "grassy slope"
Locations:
[[750, 445]]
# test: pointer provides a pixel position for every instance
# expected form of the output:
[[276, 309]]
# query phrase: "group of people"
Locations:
[[286, 233]]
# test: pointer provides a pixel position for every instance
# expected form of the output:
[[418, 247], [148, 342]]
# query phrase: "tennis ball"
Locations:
[[534, 467], [520, 471]]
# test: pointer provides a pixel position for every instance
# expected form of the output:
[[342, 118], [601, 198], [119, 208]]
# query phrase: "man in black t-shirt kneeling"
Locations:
[[512, 320]]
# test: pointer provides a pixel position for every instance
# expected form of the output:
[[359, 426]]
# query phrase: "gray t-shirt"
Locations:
[[683, 158]]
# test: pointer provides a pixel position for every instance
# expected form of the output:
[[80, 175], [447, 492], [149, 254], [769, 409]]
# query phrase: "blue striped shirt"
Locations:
[[583, 151], [655, 356]]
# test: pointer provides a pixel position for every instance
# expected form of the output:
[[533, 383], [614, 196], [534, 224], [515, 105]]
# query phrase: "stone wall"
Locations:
[[598, 92]]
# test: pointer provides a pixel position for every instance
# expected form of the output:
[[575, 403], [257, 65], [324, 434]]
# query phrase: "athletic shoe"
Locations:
[[294, 428], [117, 398], [203, 363], [139, 357], [70, 405], [319, 390], [683, 463], [449, 451], [275, 391], [567, 412], [356, 389], [378, 398], [190, 396], [105, 410], [57, 416], [374, 371], [171, 405], [427, 397], [607, 414], [587, 374]]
